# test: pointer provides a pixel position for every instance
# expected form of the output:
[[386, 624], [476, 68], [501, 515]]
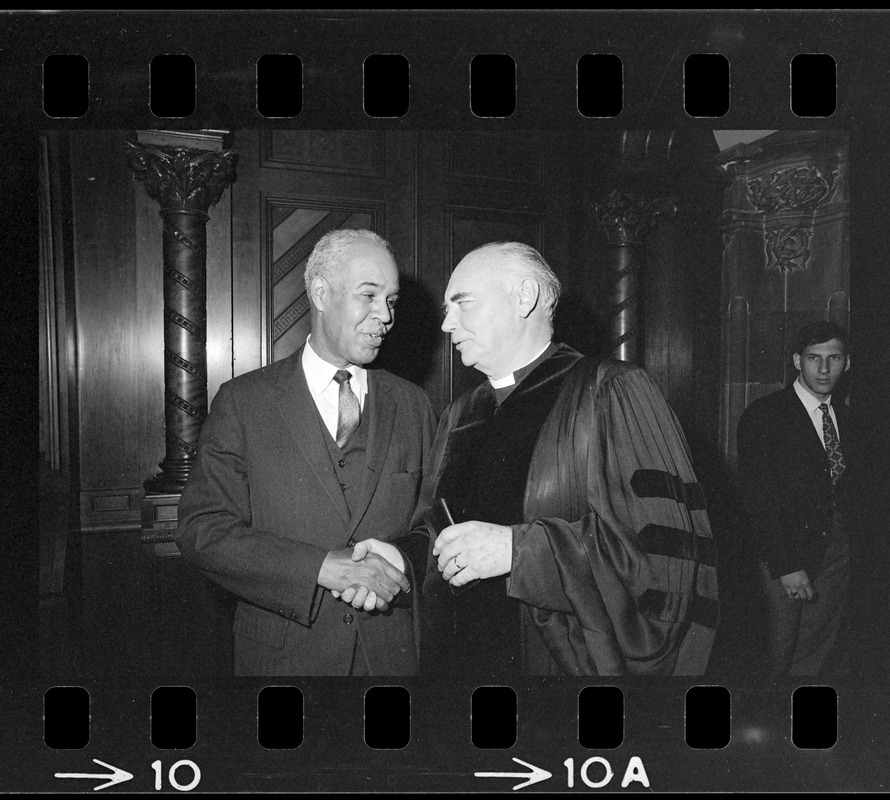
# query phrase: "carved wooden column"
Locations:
[[786, 259], [625, 219], [186, 174]]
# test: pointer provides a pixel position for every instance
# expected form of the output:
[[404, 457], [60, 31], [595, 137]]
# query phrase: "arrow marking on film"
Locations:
[[535, 776], [116, 775]]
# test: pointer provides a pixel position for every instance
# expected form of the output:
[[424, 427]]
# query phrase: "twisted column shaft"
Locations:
[[625, 219], [186, 182]]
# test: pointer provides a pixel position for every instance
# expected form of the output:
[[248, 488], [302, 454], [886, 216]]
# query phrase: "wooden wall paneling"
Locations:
[[666, 318], [327, 152], [737, 340], [57, 367], [110, 341], [307, 183], [411, 345], [698, 314], [786, 217], [248, 342], [701, 233], [219, 294], [565, 246], [434, 266], [478, 187]]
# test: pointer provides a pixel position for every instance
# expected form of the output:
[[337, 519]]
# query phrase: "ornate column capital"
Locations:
[[182, 172], [626, 218]]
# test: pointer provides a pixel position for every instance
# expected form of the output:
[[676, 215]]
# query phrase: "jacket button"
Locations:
[[351, 542], [348, 619], [343, 486], [341, 463]]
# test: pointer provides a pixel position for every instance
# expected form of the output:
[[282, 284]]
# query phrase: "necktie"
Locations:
[[350, 411], [832, 445]]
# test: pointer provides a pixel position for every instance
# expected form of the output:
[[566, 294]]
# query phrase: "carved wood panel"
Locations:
[[479, 156], [349, 152]]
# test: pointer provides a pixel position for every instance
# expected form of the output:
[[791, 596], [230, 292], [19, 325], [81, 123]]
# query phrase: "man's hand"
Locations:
[[797, 586], [383, 549], [374, 580], [471, 550]]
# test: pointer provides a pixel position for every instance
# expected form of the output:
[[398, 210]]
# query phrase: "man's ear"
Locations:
[[847, 365], [318, 292], [796, 359], [528, 293]]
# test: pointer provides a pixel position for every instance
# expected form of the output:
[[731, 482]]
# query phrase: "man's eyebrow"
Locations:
[[456, 297]]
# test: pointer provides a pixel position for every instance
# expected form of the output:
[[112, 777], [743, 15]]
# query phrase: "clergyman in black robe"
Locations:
[[581, 544]]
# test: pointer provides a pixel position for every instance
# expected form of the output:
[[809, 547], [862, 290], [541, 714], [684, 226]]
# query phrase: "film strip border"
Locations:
[[492, 723], [306, 734], [494, 88]]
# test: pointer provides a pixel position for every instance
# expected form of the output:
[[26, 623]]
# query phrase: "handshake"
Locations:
[[371, 574], [367, 576]]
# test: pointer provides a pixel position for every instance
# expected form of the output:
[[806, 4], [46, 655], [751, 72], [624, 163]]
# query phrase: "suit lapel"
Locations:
[[803, 425], [301, 418], [380, 412]]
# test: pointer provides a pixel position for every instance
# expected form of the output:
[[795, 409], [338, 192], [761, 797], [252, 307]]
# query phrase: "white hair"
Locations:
[[531, 264], [329, 252]]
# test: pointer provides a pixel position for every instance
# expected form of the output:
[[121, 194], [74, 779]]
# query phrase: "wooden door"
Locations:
[[479, 187], [435, 195], [292, 188]]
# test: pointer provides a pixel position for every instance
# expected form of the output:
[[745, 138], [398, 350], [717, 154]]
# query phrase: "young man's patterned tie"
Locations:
[[832, 445]]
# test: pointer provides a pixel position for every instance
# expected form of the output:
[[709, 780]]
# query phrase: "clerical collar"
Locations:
[[504, 386], [515, 377]]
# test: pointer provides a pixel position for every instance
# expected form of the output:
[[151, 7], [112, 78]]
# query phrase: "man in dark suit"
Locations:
[[300, 460], [795, 456]]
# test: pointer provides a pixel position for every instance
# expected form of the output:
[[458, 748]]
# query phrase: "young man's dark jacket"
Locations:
[[786, 481]]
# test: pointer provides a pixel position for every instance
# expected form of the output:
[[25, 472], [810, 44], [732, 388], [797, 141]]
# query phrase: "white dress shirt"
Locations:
[[811, 404], [325, 390]]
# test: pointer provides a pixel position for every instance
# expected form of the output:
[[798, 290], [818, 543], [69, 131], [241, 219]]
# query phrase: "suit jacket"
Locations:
[[263, 507], [785, 481]]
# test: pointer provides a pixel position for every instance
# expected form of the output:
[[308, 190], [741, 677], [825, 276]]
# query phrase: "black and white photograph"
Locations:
[[446, 401]]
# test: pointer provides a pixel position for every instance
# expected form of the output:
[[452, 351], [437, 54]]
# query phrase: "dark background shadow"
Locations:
[[411, 343]]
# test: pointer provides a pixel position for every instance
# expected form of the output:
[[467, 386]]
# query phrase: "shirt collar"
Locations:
[[320, 373], [509, 380], [810, 403]]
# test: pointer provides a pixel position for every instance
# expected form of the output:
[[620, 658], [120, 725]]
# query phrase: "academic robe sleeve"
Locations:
[[216, 530], [615, 560]]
